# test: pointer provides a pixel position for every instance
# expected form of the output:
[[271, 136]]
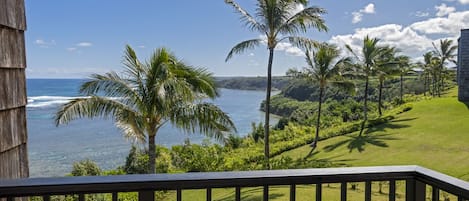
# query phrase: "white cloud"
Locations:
[[286, 47], [460, 1], [370, 9], [404, 38], [141, 46], [298, 8], [421, 14], [44, 44], [84, 44], [251, 54], [40, 42], [71, 49], [450, 25], [413, 40], [358, 15], [443, 10]]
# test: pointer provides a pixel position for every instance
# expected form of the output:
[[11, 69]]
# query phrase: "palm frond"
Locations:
[[243, 46], [302, 42], [307, 18], [249, 21], [205, 118], [91, 107], [111, 85], [132, 125]]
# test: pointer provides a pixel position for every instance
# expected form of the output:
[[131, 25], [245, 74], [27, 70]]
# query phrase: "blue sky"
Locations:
[[72, 39]]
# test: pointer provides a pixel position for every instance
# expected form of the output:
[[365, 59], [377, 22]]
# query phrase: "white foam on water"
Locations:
[[52, 101]]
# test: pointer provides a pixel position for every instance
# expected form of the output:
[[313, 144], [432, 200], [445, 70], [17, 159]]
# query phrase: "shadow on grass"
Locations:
[[311, 162], [466, 103], [394, 124], [359, 142]]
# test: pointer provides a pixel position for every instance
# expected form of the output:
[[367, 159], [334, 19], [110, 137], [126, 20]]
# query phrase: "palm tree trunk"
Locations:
[[402, 88], [267, 109], [318, 122], [380, 97], [151, 153], [425, 85], [365, 107]]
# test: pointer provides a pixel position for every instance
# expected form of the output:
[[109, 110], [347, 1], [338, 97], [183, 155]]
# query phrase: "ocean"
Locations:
[[52, 150]]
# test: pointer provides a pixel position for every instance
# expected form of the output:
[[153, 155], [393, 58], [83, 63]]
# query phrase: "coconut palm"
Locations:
[[147, 96], [427, 71], [277, 21], [370, 55], [404, 68], [446, 51], [385, 67], [324, 68]]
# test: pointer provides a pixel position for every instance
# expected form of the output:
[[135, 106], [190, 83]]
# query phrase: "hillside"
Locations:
[[251, 83], [433, 134]]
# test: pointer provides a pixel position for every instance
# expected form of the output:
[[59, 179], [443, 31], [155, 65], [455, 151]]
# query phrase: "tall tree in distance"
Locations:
[[149, 95], [385, 67], [404, 69], [277, 21], [324, 67], [446, 51], [367, 59]]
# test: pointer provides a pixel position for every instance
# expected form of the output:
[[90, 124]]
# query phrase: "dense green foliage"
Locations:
[[85, 168], [277, 21], [151, 94], [251, 83]]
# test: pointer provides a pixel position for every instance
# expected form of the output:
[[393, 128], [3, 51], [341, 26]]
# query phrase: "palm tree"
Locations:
[[324, 68], [149, 95], [427, 71], [385, 67], [369, 56], [404, 69], [277, 20], [445, 52]]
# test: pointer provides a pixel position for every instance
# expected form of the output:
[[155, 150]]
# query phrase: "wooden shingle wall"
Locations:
[[13, 131]]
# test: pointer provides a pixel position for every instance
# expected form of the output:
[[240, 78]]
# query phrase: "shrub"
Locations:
[[85, 168]]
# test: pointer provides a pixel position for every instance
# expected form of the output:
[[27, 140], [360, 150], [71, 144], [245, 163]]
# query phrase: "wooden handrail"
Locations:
[[414, 175]]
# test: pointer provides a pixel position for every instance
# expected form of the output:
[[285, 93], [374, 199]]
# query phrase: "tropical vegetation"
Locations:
[[277, 21], [147, 95]]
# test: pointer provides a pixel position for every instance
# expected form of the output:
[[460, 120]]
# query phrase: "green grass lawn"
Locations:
[[434, 134]]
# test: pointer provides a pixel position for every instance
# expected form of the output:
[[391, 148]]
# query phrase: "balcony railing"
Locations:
[[416, 181]]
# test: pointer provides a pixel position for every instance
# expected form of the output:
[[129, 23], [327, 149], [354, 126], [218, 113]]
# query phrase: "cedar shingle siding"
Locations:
[[463, 66], [13, 131]]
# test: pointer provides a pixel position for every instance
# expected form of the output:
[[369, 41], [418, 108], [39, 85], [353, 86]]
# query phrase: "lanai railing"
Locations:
[[416, 181]]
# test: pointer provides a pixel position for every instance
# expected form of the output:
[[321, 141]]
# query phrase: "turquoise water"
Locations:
[[52, 150]]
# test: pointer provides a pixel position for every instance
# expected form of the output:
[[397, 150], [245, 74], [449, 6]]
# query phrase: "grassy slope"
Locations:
[[434, 134]]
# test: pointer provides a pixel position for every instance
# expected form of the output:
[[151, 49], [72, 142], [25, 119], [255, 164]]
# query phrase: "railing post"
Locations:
[[115, 196], [238, 193], [209, 194], [179, 194], [415, 190], [343, 191], [292, 192], [81, 197], [368, 191], [392, 190], [146, 196], [266, 193], [318, 192], [435, 194]]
